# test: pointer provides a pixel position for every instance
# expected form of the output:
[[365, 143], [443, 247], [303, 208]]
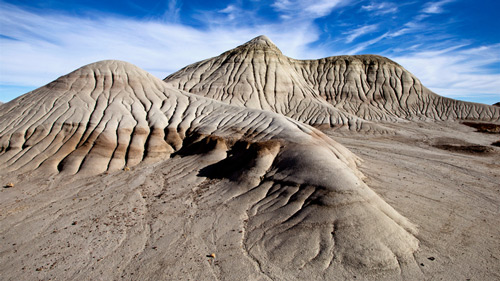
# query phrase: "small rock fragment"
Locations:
[[9, 185], [126, 168], [431, 258]]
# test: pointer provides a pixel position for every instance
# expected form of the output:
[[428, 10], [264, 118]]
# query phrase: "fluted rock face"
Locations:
[[214, 157], [258, 75], [111, 114], [376, 88], [300, 192]]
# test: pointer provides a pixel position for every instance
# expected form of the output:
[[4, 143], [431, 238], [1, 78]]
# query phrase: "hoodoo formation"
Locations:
[[215, 172]]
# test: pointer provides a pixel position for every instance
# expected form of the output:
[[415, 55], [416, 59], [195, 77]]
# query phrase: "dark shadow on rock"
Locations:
[[241, 155], [474, 148], [198, 144], [482, 127]]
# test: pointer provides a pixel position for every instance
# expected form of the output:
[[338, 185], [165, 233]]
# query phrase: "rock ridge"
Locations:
[[337, 91]]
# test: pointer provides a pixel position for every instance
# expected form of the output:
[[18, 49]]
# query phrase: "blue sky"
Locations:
[[452, 46]]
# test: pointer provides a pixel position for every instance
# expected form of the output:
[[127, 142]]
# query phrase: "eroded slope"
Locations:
[[295, 194], [376, 88], [109, 115], [257, 75], [325, 91]]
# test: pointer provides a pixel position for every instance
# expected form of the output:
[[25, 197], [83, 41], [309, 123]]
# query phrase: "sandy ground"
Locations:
[[453, 196], [164, 221]]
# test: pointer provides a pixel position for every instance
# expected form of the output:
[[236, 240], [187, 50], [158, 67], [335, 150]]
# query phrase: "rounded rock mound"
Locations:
[[342, 90], [297, 194]]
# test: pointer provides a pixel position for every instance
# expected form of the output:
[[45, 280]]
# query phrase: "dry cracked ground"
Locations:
[[248, 166]]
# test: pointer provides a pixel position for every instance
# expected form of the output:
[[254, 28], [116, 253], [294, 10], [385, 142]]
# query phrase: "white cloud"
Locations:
[[415, 26], [435, 7], [232, 12], [457, 72], [43, 47], [358, 48], [46, 46], [355, 33], [381, 8], [229, 9], [308, 8]]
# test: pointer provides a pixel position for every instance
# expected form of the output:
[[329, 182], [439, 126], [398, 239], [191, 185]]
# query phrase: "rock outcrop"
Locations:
[[257, 75], [376, 88], [111, 114], [302, 194], [214, 157], [324, 91]]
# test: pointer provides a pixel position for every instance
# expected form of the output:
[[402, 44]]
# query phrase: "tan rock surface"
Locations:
[[452, 195], [376, 88], [260, 190], [256, 74], [119, 175]]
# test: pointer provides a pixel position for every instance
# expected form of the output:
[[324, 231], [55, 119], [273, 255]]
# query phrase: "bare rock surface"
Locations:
[[256, 74], [180, 176], [376, 88], [216, 173], [452, 195], [109, 115]]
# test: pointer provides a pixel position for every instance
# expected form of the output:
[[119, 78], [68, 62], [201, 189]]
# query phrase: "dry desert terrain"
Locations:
[[248, 166]]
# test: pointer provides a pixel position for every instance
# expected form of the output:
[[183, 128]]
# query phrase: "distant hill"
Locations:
[[325, 91]]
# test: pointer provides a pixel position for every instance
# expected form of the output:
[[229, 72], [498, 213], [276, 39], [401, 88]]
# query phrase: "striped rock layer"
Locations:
[[343, 90]]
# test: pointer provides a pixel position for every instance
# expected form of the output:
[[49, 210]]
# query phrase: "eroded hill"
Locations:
[[324, 91], [295, 196], [215, 173]]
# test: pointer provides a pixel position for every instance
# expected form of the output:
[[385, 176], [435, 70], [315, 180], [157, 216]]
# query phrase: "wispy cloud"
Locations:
[[457, 72], [37, 48], [381, 8], [360, 31], [308, 8], [231, 11], [435, 7], [358, 48], [172, 14]]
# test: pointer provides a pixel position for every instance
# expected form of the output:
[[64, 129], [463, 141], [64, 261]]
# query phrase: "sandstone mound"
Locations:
[[376, 88], [111, 114], [296, 193], [258, 75]]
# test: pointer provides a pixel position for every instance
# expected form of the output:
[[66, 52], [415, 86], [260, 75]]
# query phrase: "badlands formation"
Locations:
[[248, 166]]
